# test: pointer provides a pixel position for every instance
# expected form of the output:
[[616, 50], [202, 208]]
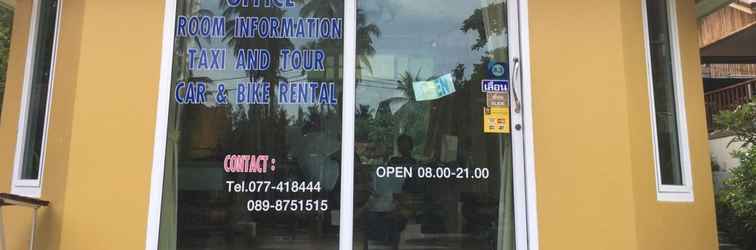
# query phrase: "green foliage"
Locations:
[[6, 23], [737, 231], [736, 203], [740, 194], [740, 122]]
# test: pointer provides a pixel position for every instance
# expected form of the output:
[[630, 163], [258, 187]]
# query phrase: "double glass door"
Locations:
[[259, 127]]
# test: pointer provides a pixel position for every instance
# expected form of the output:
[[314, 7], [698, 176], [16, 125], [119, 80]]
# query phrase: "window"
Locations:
[[6, 25], [37, 89], [672, 164]]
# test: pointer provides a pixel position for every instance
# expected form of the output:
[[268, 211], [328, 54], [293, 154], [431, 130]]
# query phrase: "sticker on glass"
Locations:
[[434, 89], [494, 86], [497, 100], [496, 120], [498, 70]]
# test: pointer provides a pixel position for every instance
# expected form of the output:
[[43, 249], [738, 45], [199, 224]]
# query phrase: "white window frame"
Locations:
[[524, 181], [33, 187], [665, 192]]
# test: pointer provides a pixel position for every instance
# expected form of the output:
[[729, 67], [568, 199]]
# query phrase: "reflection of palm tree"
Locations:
[[365, 31], [405, 84], [272, 45], [258, 117], [413, 115], [334, 48], [409, 118], [407, 100], [322, 8]]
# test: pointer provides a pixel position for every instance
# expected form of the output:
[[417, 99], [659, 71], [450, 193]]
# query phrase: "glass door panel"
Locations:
[[432, 125], [254, 127]]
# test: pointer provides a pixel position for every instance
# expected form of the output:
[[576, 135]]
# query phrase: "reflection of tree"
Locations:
[[463, 109], [334, 52], [475, 23], [486, 22], [490, 23], [271, 44], [252, 122], [412, 117], [383, 129], [362, 123], [322, 8], [376, 128], [316, 119], [365, 31], [428, 122]]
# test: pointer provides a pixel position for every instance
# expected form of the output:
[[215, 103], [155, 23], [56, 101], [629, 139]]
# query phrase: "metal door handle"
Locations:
[[516, 85]]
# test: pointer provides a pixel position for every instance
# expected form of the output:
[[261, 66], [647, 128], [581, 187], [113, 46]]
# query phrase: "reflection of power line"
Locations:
[[377, 79], [387, 82], [374, 86], [233, 78], [296, 77]]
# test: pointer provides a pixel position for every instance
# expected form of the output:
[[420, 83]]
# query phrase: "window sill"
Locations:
[[675, 197], [34, 192]]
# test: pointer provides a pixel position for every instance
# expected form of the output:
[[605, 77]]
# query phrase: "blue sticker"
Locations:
[[498, 70], [494, 86]]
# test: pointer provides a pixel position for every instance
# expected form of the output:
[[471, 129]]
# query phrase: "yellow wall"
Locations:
[[113, 127], [670, 225], [100, 138], [594, 164], [16, 219], [580, 111]]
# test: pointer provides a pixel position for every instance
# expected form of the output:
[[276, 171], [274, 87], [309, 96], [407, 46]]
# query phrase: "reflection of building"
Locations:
[[589, 150]]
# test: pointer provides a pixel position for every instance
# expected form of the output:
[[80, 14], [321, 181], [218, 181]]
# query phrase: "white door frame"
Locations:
[[528, 164], [526, 222]]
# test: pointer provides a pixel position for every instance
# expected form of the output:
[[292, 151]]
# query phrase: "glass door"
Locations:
[[437, 118], [254, 126], [343, 124]]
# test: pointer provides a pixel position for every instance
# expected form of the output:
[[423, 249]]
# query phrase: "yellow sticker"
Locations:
[[496, 120]]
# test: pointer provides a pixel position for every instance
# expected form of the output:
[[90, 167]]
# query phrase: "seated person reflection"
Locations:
[[386, 218]]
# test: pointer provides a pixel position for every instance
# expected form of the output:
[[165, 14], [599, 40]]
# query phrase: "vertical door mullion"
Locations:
[[346, 227], [518, 146]]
